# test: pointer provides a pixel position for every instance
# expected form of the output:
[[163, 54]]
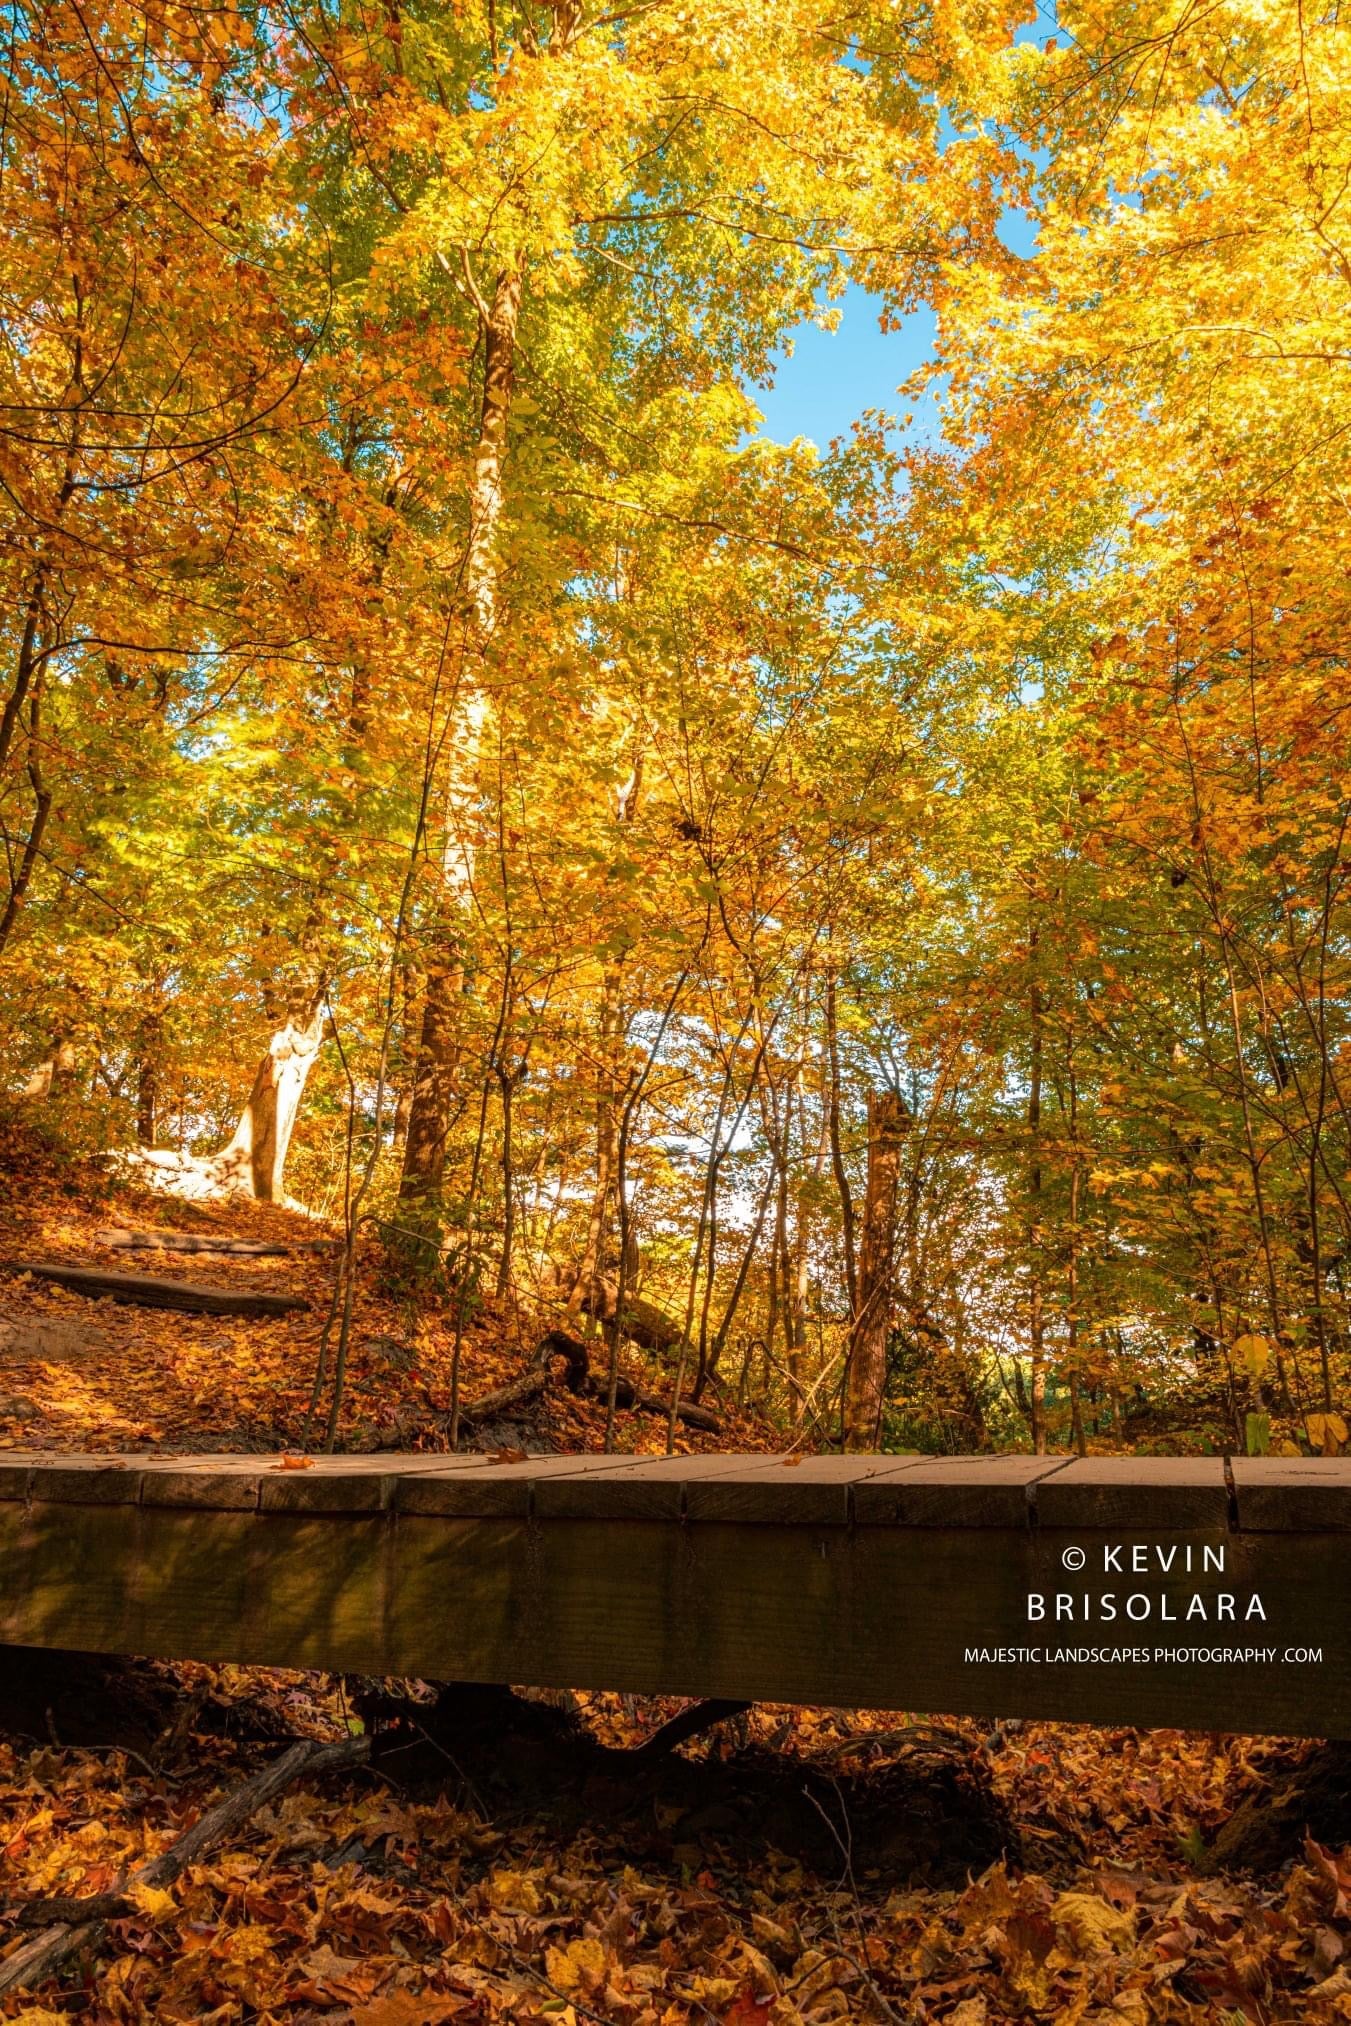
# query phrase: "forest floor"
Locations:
[[794, 1865], [81, 1375]]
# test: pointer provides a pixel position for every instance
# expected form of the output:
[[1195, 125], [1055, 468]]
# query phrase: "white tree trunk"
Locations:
[[256, 1157]]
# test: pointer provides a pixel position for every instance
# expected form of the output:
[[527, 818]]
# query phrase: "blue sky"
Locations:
[[833, 376]]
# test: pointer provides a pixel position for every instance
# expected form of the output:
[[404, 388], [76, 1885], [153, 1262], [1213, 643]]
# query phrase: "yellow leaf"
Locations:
[[513, 1892], [1092, 1926], [578, 1967], [154, 1902], [1288, 1448], [712, 1990], [1251, 1354]]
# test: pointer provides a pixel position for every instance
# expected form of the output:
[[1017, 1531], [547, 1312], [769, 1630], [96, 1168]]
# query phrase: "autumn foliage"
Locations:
[[883, 905]]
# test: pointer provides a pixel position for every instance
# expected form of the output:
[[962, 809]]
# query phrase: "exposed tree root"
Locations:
[[649, 1326], [195, 1178], [929, 1813], [689, 1723], [579, 1379]]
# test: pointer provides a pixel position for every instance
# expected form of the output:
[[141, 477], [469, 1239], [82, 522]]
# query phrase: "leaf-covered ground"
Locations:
[[947, 1872], [126, 1378], [353, 1903]]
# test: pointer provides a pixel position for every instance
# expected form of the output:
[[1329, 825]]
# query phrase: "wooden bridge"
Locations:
[[1112, 1591]]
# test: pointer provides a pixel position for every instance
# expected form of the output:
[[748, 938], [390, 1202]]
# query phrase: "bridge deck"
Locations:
[[1109, 1590]]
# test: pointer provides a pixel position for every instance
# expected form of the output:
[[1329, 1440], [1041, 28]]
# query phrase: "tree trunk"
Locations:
[[847, 1237], [888, 1123], [591, 1267], [56, 1074], [1072, 1271], [42, 808], [147, 1100], [433, 1105], [149, 1044], [808, 1185], [435, 1083], [257, 1153], [1036, 1313], [508, 1079]]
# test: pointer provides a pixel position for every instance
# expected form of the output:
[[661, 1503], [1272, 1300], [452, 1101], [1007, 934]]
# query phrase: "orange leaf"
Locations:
[[407, 2008], [747, 2010]]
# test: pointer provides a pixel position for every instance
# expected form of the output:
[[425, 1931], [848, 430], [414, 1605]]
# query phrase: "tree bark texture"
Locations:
[[888, 1123], [435, 1099], [256, 1156]]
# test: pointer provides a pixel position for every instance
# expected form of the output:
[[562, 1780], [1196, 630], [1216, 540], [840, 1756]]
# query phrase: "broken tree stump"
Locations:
[[145, 1290]]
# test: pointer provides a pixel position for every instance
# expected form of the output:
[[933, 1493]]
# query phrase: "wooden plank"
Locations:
[[70, 1576], [334, 1484], [188, 1572], [793, 1614], [488, 1490], [643, 1487], [103, 1480], [790, 1490], [16, 1471], [468, 1598], [203, 1483], [317, 1590], [147, 1290], [325, 1484], [1182, 1492], [119, 1238], [1293, 1494], [886, 1614], [955, 1491]]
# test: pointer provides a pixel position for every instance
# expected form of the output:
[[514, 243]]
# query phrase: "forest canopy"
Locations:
[[883, 907]]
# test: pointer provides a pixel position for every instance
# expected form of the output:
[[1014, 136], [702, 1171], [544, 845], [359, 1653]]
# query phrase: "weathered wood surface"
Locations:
[[894, 1582], [149, 1290], [123, 1238]]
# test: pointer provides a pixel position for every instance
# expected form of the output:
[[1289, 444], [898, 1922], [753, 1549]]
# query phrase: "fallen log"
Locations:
[[145, 1290], [518, 1394], [118, 1238], [647, 1325], [629, 1395], [579, 1379], [80, 1923]]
